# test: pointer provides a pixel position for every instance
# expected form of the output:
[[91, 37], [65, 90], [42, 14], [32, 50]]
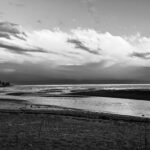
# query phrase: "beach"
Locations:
[[32, 126], [75, 117]]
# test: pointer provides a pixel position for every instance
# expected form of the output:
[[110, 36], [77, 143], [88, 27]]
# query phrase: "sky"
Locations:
[[75, 41]]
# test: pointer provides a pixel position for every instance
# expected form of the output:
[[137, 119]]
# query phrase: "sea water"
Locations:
[[46, 95]]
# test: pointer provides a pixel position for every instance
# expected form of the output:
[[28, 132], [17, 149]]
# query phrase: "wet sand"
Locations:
[[138, 94], [30, 126]]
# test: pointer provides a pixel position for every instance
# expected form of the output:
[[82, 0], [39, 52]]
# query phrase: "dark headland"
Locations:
[[4, 84]]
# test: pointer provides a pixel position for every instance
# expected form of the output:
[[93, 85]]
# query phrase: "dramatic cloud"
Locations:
[[20, 50], [77, 47], [4, 35], [8, 29], [141, 55], [80, 45]]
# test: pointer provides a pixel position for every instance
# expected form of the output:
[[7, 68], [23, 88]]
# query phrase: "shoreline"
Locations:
[[27, 108], [134, 94], [54, 127]]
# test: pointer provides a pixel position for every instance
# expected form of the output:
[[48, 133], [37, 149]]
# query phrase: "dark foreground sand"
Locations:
[[36, 127]]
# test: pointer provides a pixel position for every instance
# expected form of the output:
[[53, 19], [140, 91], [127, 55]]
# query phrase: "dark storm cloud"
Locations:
[[20, 50], [141, 55], [4, 35], [33, 73], [80, 45], [7, 28]]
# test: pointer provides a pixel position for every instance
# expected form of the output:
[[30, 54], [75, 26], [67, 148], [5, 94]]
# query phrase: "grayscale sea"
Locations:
[[54, 95]]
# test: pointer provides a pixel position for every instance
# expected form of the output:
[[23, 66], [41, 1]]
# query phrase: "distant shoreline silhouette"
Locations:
[[4, 84]]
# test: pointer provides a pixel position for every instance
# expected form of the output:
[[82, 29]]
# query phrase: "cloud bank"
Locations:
[[78, 47]]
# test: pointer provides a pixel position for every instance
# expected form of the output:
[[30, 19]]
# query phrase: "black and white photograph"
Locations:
[[74, 74]]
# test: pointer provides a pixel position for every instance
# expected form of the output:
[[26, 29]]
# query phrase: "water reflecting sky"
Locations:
[[95, 104]]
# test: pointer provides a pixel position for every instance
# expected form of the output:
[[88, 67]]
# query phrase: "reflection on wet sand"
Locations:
[[85, 97], [95, 104]]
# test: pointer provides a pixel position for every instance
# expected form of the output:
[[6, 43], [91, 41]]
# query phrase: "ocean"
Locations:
[[53, 95]]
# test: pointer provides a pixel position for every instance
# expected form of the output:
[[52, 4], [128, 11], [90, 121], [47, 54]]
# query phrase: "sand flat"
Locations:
[[120, 106]]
